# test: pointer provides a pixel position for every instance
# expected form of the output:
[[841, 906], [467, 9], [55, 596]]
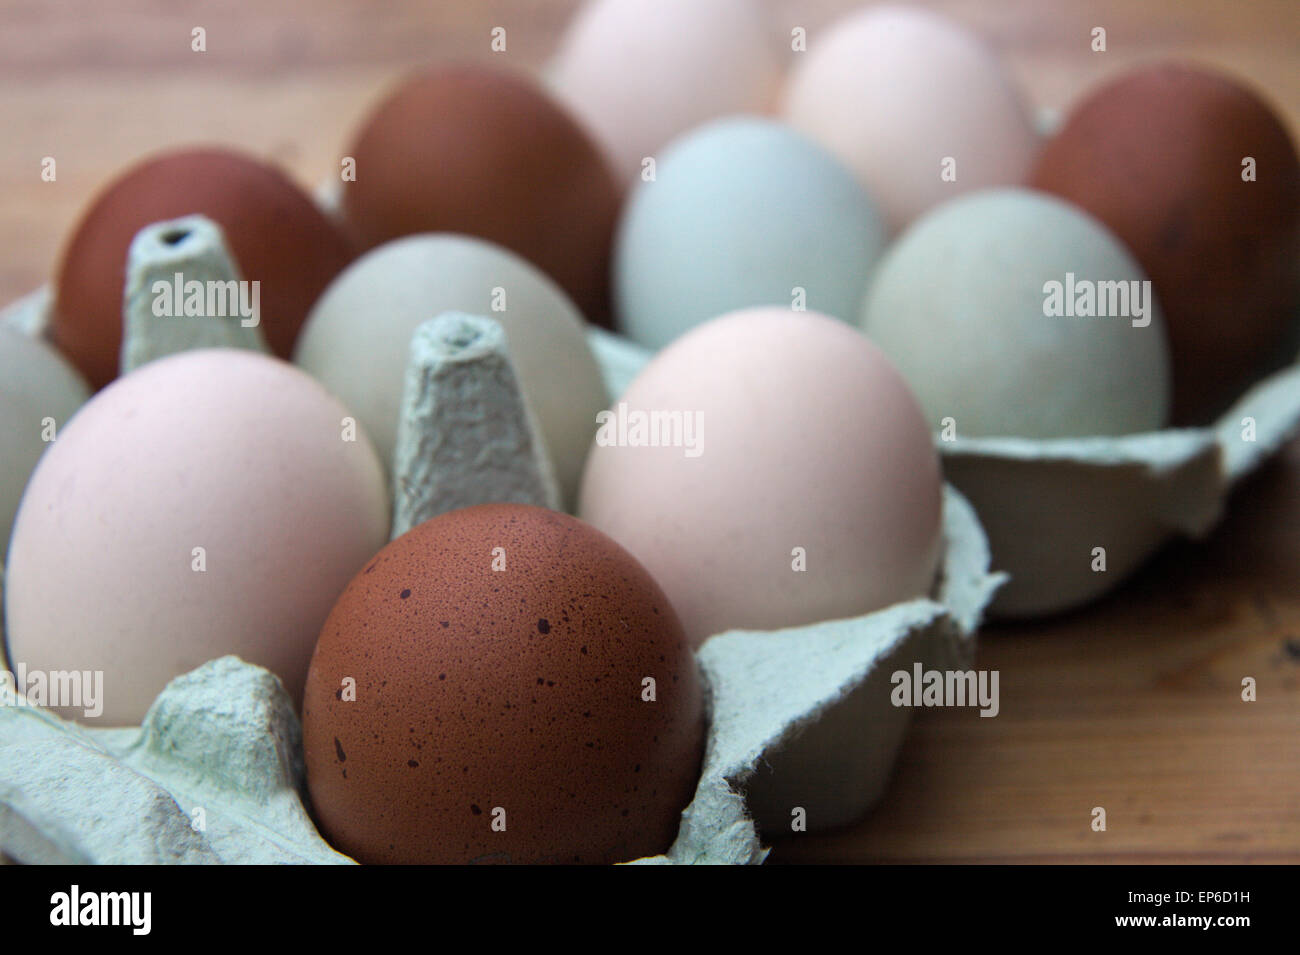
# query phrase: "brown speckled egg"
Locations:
[[275, 232], [479, 694], [486, 152], [1159, 155]]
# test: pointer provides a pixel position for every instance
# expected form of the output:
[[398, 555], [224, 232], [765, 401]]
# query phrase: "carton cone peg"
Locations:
[[183, 291], [465, 435]]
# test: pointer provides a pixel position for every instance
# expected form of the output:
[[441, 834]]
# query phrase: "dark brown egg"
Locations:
[[275, 232], [487, 153], [502, 684], [1164, 157]]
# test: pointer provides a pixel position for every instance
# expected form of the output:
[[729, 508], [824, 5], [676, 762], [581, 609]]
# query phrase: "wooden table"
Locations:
[[1133, 704]]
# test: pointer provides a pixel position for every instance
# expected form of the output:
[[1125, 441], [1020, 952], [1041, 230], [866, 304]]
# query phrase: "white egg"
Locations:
[[918, 106], [639, 72], [770, 469], [357, 337], [209, 503]]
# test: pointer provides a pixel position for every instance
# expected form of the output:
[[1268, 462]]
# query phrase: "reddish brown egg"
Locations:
[[275, 232], [502, 684], [487, 153], [1197, 175]]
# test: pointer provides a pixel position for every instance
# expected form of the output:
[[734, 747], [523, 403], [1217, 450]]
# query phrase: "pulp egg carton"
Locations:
[[1070, 518], [802, 733]]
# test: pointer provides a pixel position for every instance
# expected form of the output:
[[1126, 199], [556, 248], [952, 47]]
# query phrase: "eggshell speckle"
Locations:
[[275, 232], [742, 212], [485, 152], [958, 305], [499, 656], [204, 504], [813, 492], [1159, 155], [894, 92]]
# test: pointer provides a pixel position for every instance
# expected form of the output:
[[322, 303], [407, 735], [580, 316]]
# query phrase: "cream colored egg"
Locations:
[[638, 73], [357, 337], [992, 307], [39, 391], [770, 468], [918, 106], [210, 503]]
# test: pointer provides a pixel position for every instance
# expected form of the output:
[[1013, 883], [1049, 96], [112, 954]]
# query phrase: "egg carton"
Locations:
[[802, 731], [1069, 519], [801, 728]]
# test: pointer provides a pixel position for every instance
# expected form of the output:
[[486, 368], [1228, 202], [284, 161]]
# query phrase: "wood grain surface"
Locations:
[[1133, 704]]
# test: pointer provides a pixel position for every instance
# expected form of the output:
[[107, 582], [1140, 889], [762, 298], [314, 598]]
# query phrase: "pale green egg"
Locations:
[[1014, 314], [741, 212], [39, 392]]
